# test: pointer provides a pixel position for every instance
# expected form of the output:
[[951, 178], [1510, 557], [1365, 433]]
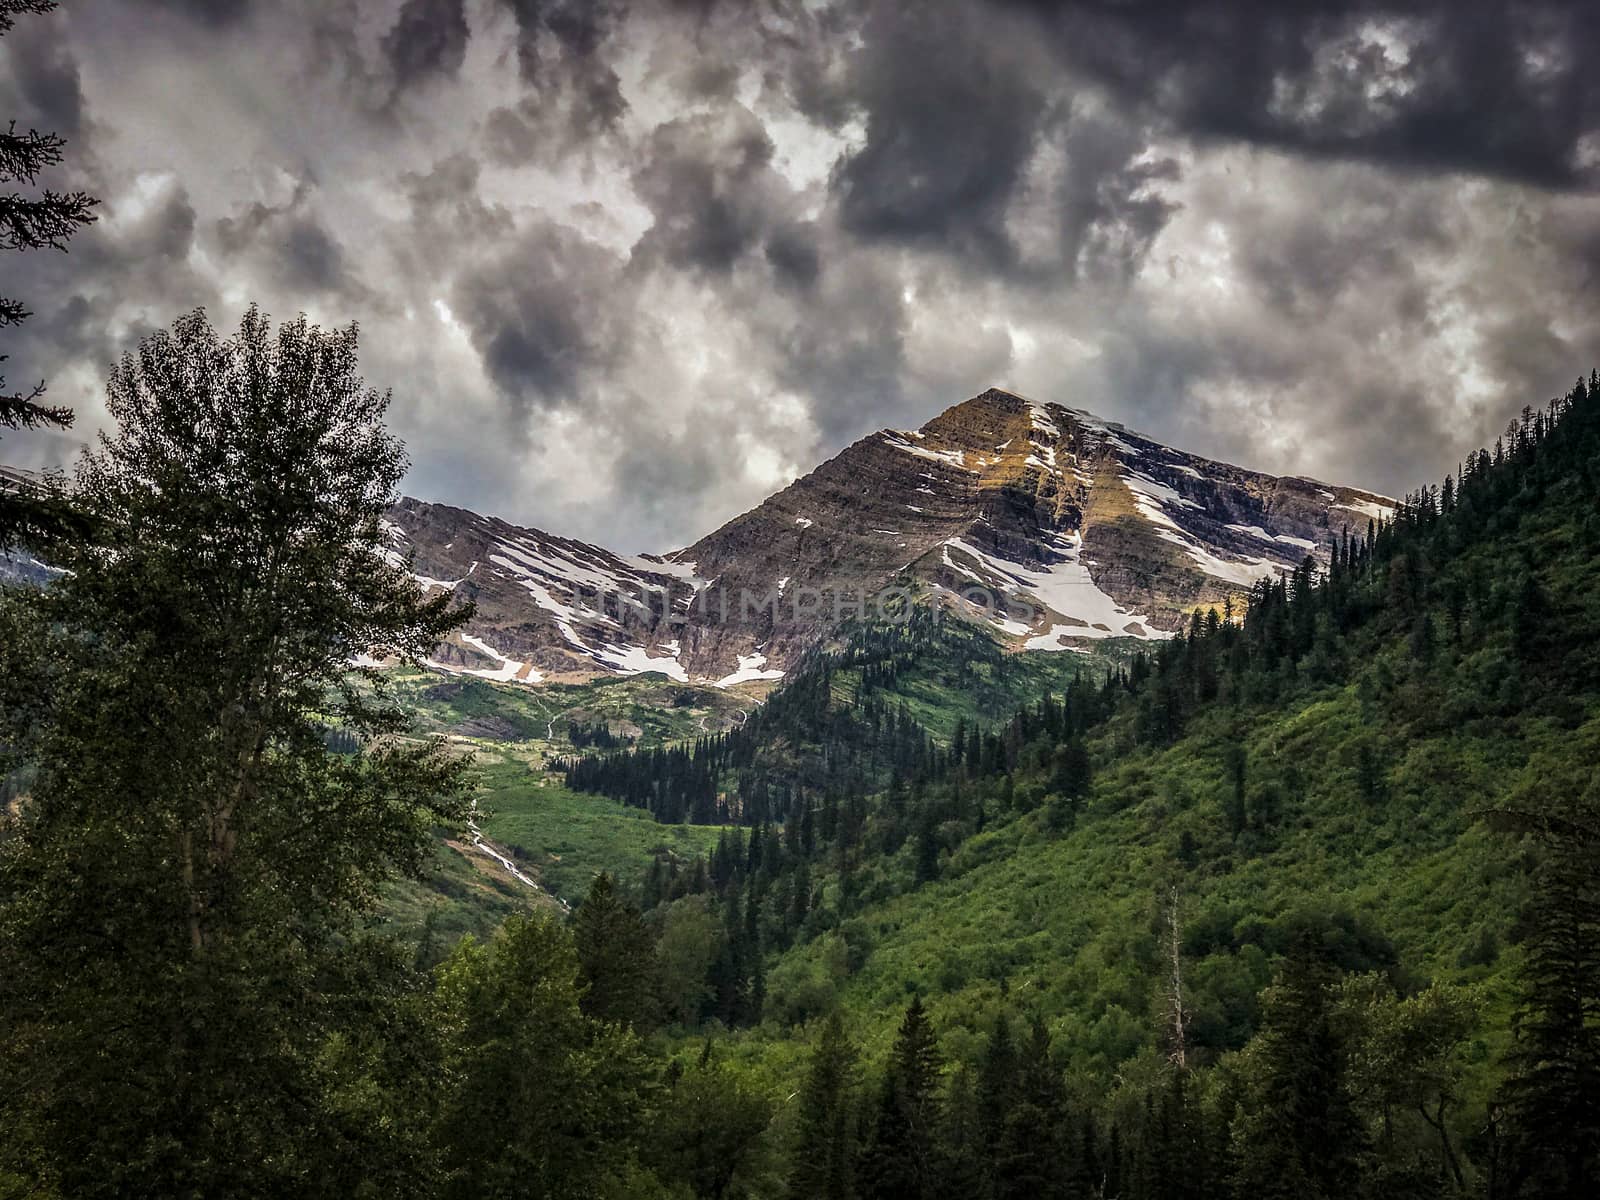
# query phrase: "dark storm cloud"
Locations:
[[290, 241], [543, 314], [44, 90], [214, 13], [951, 121], [1506, 87], [1367, 333], [1109, 214], [795, 256], [428, 38], [844, 348], [446, 199], [560, 43], [709, 184]]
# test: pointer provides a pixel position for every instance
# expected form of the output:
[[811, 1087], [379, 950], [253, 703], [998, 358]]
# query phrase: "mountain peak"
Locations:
[[1051, 525]]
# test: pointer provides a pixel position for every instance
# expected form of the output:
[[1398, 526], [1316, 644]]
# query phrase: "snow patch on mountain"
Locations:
[[1368, 508], [636, 660], [750, 668], [1065, 588], [508, 669], [954, 458], [1052, 639]]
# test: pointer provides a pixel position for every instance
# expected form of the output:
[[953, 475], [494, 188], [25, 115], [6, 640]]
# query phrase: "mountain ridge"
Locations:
[[1054, 527]]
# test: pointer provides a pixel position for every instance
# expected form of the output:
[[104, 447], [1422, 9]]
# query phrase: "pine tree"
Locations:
[[541, 1102], [1297, 1135], [616, 958], [1031, 1154], [730, 974], [825, 1151], [997, 1082], [45, 221], [963, 1157], [1554, 1093], [1234, 802], [1084, 1175], [901, 1161], [926, 867]]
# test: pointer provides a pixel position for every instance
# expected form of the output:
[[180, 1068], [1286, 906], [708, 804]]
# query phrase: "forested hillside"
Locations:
[[1335, 859]]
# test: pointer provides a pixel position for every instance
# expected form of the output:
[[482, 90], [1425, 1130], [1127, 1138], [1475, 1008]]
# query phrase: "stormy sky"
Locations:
[[630, 267]]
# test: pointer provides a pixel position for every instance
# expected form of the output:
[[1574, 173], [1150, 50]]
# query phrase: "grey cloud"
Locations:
[[559, 45], [795, 256], [445, 200], [548, 125], [709, 184], [216, 14], [44, 89], [542, 313], [951, 120], [291, 241], [844, 348], [1503, 87], [611, 255], [1367, 335], [428, 38]]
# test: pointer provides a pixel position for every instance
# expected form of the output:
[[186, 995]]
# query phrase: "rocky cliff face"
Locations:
[[1051, 525]]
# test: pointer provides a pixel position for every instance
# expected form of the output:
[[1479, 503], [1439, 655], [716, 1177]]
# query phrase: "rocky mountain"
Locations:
[[1055, 527]]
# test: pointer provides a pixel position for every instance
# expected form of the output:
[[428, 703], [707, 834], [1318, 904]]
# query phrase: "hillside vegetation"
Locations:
[[1150, 865]]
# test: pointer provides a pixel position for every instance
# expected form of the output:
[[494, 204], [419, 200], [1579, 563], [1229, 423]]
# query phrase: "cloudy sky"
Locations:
[[630, 267]]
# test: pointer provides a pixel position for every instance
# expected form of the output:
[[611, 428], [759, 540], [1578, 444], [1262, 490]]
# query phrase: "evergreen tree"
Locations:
[[997, 1080], [964, 1158], [542, 1102], [1297, 1134], [707, 1132], [43, 221], [1234, 766], [825, 1151], [1084, 1176], [926, 867], [1553, 1096], [616, 958], [1554, 1092], [901, 1161], [1031, 1155]]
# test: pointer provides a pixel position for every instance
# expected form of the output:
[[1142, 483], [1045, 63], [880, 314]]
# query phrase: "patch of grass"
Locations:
[[454, 897], [568, 837], [651, 709]]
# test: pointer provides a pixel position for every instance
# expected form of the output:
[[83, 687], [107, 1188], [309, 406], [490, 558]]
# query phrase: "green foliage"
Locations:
[[1312, 779], [902, 1155], [1553, 1093], [1297, 1133], [616, 957], [178, 888], [565, 837], [540, 1100], [825, 1145], [709, 1133], [1406, 1066], [1258, 843]]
